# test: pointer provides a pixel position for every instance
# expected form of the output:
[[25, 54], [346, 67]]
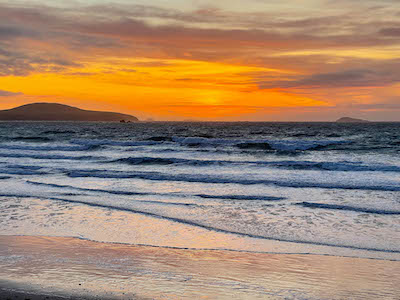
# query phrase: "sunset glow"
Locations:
[[259, 61]]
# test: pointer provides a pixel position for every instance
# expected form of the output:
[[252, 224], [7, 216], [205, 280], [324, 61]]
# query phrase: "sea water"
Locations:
[[311, 188]]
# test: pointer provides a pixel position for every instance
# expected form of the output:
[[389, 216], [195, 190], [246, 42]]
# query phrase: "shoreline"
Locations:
[[24, 292], [230, 250], [72, 268]]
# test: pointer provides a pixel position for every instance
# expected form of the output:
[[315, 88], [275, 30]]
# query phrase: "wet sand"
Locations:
[[69, 268], [18, 293]]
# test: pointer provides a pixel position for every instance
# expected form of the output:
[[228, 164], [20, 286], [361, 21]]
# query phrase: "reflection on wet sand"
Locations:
[[63, 265]]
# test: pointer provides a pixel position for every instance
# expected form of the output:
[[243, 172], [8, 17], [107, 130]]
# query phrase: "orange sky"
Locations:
[[258, 62]]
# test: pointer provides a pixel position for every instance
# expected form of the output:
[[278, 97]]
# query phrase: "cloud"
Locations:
[[208, 34], [364, 74], [8, 94], [10, 32], [379, 106], [151, 64], [390, 32], [105, 26], [20, 63], [347, 46]]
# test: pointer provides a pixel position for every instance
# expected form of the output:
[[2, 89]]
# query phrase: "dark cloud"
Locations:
[[375, 74], [19, 63], [152, 64], [8, 94], [15, 66], [391, 32], [80, 74], [379, 106], [9, 32], [128, 70]]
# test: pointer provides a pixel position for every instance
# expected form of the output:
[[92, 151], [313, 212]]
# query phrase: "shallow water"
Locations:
[[72, 267], [317, 188]]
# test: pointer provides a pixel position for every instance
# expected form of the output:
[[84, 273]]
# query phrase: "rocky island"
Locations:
[[351, 120], [60, 112]]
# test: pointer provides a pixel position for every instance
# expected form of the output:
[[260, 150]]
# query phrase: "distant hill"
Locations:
[[59, 112], [351, 120]]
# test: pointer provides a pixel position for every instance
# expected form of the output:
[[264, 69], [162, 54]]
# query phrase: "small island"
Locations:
[[60, 112], [351, 120]]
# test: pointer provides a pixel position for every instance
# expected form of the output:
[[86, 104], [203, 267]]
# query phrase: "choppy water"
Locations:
[[318, 188]]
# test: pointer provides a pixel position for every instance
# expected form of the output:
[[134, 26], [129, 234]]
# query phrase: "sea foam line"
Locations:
[[88, 203], [128, 193], [348, 208], [48, 147], [214, 229], [51, 156], [285, 164], [156, 176]]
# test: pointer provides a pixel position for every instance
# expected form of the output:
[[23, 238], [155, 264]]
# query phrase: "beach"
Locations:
[[199, 210], [69, 267], [154, 149]]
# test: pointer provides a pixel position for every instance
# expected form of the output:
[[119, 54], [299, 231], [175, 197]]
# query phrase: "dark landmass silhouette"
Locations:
[[60, 112], [351, 120]]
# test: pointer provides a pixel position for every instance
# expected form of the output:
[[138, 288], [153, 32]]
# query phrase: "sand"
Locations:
[[8, 293], [70, 268]]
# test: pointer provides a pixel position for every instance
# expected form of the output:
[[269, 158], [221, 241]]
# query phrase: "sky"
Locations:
[[253, 60]]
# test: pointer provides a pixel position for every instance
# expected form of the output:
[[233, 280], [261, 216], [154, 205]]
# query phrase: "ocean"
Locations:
[[287, 188]]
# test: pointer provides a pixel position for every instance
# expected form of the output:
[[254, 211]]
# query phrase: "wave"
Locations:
[[127, 193], [4, 177], [51, 156], [348, 208], [241, 197], [255, 146], [30, 196], [264, 145], [160, 139], [59, 132], [114, 192], [302, 134], [49, 148], [303, 145], [24, 167], [278, 145], [207, 227], [21, 171], [156, 176], [288, 165], [98, 143], [333, 166], [166, 161], [24, 196], [32, 138], [149, 161], [169, 203]]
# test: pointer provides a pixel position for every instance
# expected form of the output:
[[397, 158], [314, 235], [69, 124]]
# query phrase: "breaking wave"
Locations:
[[204, 226], [166, 161], [156, 176], [349, 208], [344, 166], [129, 193], [241, 197], [32, 138], [51, 156], [278, 145], [48, 147], [98, 143], [21, 171]]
